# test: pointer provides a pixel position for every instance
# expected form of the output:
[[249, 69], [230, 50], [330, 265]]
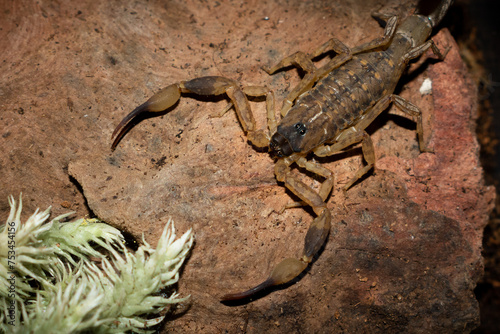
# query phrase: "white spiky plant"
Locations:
[[75, 277]]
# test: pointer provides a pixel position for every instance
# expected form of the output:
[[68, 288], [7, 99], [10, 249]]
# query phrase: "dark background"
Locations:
[[475, 24]]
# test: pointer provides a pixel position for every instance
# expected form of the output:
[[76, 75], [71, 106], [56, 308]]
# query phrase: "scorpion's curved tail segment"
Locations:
[[435, 12]]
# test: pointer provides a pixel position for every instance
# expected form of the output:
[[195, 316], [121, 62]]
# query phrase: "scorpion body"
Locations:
[[327, 112]]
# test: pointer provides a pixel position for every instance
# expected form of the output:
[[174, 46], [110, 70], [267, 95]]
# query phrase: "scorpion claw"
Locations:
[[284, 272], [162, 100], [248, 293], [290, 268], [124, 124]]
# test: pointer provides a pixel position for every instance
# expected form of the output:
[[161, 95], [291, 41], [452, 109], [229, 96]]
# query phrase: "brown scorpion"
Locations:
[[327, 112]]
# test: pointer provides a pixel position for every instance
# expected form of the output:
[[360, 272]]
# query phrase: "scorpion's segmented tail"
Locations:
[[435, 12]]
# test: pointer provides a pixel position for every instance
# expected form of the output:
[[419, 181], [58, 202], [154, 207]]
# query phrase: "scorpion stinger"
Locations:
[[327, 112]]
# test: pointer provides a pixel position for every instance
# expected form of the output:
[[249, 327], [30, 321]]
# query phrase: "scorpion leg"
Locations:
[[368, 155], [382, 17], [382, 41], [211, 85], [407, 107], [412, 110], [317, 233], [347, 138], [419, 50]]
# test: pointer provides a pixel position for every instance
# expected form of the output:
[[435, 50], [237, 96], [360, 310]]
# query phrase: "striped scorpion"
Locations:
[[327, 112]]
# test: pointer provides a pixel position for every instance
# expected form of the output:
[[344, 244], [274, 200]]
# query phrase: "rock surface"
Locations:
[[404, 251]]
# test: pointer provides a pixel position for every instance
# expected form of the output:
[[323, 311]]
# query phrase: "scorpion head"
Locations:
[[300, 131], [288, 139], [280, 146]]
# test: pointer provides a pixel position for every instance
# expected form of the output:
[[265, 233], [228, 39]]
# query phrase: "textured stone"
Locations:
[[404, 251]]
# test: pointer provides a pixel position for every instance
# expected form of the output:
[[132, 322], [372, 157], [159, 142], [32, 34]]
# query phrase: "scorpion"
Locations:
[[327, 112]]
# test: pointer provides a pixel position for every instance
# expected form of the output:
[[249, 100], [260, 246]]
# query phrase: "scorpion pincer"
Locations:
[[327, 112]]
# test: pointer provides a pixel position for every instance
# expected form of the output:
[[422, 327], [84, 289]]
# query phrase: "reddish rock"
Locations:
[[404, 251]]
